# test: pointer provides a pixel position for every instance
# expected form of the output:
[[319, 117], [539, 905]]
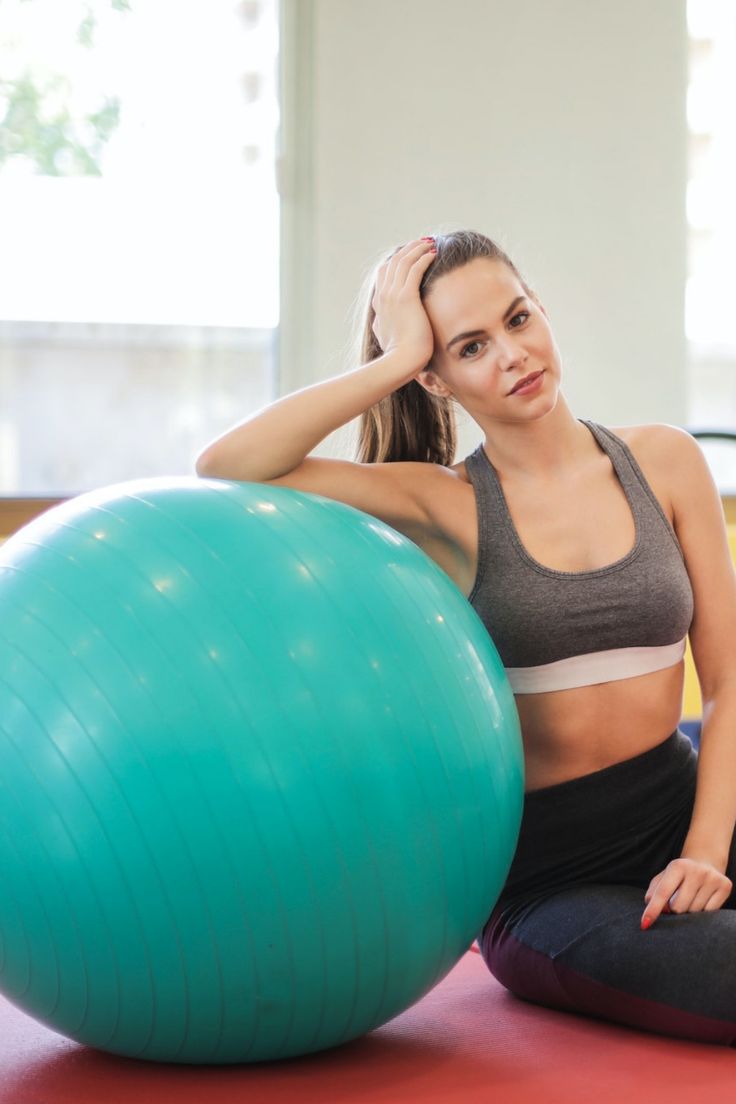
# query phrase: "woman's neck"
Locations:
[[555, 445]]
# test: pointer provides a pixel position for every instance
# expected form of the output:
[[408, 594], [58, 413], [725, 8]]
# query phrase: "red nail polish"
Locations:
[[646, 923]]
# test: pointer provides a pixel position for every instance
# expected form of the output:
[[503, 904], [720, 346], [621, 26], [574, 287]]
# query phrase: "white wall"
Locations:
[[556, 126]]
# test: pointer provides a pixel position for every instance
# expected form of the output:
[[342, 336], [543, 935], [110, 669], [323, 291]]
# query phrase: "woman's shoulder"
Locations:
[[659, 449], [654, 445], [657, 444], [652, 435], [651, 443]]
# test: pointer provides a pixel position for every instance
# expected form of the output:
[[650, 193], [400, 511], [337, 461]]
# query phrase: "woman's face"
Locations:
[[490, 334]]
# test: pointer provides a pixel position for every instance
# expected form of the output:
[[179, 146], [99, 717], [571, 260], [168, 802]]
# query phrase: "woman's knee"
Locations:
[[583, 950]]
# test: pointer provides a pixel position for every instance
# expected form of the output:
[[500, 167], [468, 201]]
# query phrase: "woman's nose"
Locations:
[[510, 353]]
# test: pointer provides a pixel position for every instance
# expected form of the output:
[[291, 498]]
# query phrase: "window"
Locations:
[[139, 217]]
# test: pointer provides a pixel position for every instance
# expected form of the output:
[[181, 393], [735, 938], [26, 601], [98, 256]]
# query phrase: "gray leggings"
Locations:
[[566, 930]]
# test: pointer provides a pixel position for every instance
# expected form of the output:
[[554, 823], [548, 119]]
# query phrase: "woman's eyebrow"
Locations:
[[477, 333]]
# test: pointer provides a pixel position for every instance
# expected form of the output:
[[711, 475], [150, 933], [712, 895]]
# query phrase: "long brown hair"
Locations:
[[410, 423]]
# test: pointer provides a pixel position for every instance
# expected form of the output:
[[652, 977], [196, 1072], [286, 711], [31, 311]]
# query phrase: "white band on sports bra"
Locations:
[[593, 667]]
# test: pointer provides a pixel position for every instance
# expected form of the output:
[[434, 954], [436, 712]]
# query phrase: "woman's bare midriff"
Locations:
[[569, 733]]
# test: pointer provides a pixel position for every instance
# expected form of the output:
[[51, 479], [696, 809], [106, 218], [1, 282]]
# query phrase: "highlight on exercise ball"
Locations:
[[260, 766]]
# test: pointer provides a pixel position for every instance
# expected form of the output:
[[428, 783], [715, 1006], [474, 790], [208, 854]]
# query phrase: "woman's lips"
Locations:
[[529, 388]]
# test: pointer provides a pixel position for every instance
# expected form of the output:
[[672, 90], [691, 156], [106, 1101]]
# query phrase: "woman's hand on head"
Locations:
[[685, 885], [401, 322]]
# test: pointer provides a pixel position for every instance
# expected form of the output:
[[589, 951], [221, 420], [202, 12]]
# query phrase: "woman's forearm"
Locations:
[[275, 440], [714, 814]]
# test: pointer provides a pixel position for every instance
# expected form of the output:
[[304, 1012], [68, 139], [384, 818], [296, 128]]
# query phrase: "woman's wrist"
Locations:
[[712, 852], [401, 366]]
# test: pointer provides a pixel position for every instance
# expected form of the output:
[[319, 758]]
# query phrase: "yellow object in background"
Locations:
[[692, 704]]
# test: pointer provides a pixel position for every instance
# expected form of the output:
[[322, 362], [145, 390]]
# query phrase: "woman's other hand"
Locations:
[[685, 885]]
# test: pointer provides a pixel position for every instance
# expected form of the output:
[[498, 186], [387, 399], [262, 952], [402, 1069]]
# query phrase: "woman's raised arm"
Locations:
[[275, 440], [273, 445]]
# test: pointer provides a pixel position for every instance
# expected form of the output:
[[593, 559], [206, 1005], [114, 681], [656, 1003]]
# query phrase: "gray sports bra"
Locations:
[[555, 630]]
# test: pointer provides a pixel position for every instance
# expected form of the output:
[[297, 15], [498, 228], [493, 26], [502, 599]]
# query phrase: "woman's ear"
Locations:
[[431, 382]]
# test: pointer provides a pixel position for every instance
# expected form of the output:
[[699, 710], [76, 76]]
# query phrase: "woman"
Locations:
[[590, 553]]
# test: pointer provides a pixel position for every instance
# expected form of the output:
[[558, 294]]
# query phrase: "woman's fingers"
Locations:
[[660, 893], [685, 885], [701, 897], [699, 887], [416, 259], [400, 320], [717, 901], [390, 264], [684, 899], [398, 266]]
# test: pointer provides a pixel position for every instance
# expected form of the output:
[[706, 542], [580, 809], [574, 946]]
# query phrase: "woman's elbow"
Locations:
[[204, 465]]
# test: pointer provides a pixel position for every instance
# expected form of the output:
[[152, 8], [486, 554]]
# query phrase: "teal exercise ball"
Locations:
[[260, 771]]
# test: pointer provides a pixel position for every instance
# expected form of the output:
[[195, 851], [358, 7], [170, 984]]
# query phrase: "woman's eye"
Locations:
[[515, 323]]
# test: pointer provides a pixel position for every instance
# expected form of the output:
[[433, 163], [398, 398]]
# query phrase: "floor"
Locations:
[[467, 1041]]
